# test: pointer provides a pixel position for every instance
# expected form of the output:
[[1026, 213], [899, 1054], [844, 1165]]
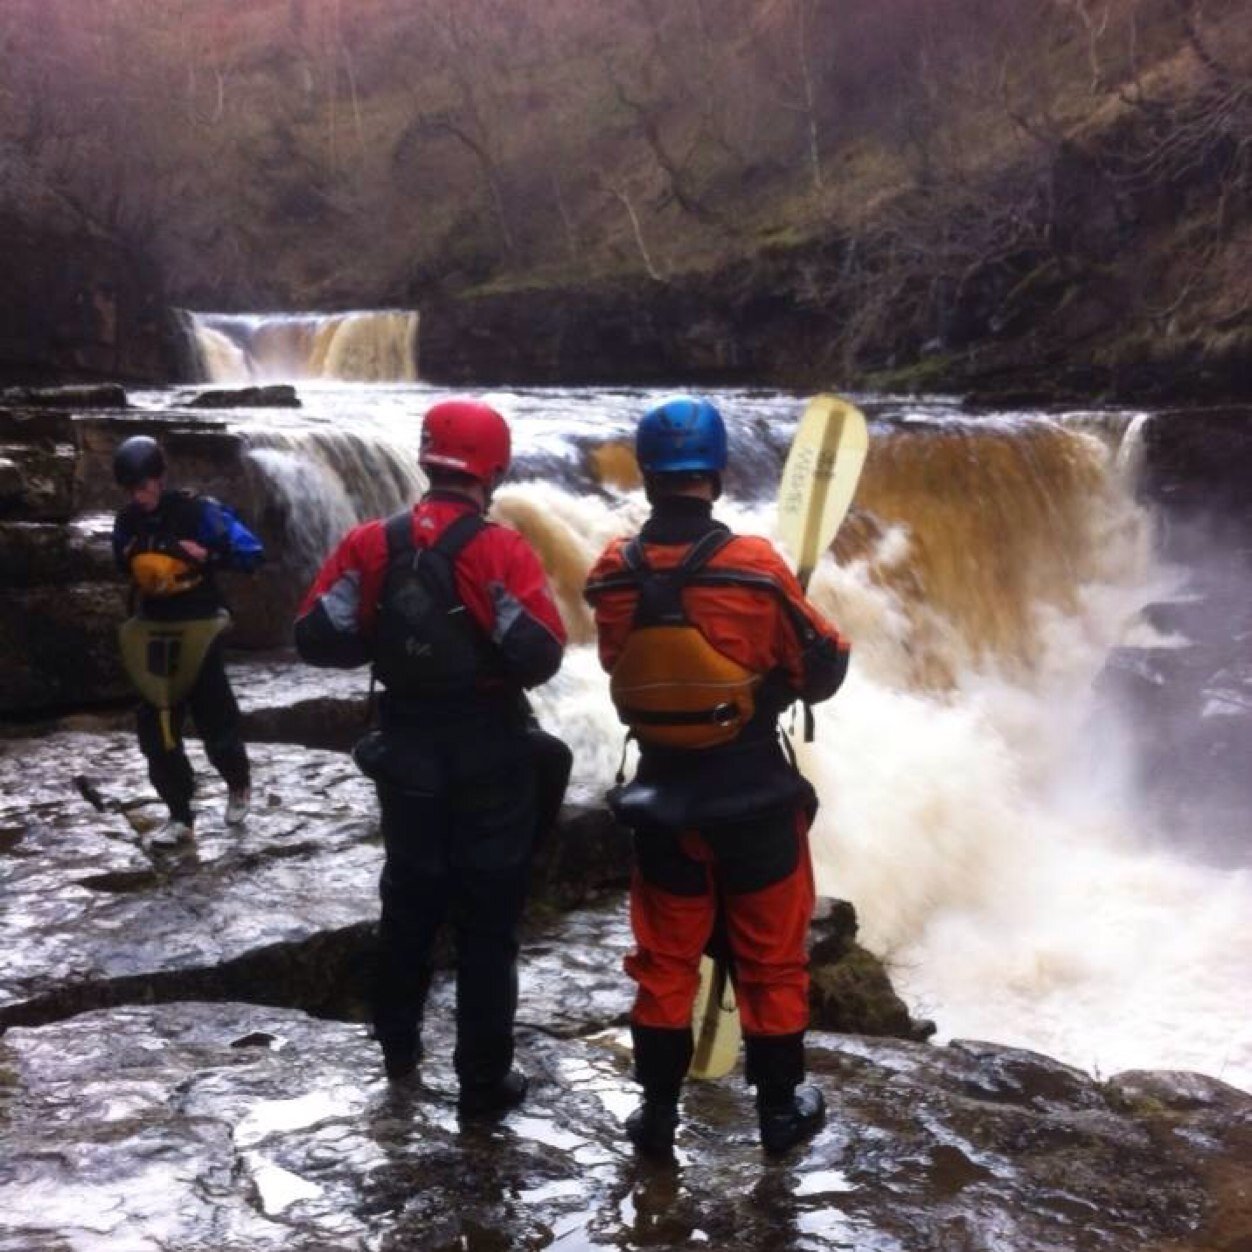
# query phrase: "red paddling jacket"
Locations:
[[498, 577]]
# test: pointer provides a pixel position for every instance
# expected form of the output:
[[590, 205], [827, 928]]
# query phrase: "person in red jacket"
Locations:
[[456, 617], [708, 637]]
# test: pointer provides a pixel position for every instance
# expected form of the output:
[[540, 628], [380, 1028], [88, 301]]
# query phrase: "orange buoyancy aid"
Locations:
[[670, 685], [159, 573]]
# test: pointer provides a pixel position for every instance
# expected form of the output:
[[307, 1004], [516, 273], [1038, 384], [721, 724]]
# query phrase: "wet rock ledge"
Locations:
[[233, 1128], [282, 911], [60, 597], [183, 1065]]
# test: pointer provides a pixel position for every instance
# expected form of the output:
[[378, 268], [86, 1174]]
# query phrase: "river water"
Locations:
[[980, 803]]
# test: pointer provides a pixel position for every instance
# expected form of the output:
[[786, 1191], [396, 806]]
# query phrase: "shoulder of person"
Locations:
[[501, 533], [610, 557], [214, 513], [756, 549], [210, 502], [365, 545], [367, 536], [612, 551], [503, 538]]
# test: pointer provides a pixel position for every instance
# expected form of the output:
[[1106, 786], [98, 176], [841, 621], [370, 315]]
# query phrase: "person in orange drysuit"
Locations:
[[719, 811]]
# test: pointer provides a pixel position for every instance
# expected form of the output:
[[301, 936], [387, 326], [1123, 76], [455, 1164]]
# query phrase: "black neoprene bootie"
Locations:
[[401, 1058], [662, 1055], [402, 1052], [651, 1128], [491, 1098], [786, 1123]]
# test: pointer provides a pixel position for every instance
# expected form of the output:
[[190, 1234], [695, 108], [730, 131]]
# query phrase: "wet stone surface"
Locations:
[[97, 912], [144, 1105], [280, 909], [285, 702], [225, 1127]]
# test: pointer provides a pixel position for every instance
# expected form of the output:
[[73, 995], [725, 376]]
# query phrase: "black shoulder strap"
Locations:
[[457, 535], [399, 532], [696, 558], [703, 551], [660, 600], [634, 557]]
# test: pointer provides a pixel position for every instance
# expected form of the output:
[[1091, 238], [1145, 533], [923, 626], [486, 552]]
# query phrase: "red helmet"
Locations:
[[466, 435]]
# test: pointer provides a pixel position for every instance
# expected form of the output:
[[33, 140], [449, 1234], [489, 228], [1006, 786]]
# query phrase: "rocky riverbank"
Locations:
[[183, 1063], [778, 320], [61, 598], [232, 1128], [183, 1060]]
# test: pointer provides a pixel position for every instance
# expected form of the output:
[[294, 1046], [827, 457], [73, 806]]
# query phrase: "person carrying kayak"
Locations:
[[707, 637], [169, 543], [457, 619]]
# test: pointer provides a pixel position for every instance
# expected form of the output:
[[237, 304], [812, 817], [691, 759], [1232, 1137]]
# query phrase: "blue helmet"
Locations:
[[683, 435]]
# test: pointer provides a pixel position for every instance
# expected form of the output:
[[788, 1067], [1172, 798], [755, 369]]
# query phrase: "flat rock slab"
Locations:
[[91, 902], [93, 907], [284, 701], [280, 910], [236, 1128]]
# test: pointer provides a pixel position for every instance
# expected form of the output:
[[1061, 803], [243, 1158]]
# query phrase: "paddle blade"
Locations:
[[715, 1021], [819, 479]]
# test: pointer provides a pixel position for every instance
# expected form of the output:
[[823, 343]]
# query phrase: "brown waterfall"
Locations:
[[360, 346], [971, 528], [962, 536], [999, 521]]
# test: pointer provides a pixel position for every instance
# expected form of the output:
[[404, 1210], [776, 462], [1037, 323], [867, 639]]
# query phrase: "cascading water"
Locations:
[[978, 796], [360, 346], [327, 484]]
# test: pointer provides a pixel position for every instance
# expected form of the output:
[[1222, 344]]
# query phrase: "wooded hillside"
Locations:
[[930, 175]]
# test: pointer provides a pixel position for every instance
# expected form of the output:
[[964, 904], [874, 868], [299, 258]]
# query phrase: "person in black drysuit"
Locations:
[[456, 617], [186, 536]]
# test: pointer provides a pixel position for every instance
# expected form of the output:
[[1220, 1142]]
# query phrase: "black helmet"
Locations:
[[136, 460]]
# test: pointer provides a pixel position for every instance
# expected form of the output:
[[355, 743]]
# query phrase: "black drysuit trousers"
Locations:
[[215, 712], [459, 819]]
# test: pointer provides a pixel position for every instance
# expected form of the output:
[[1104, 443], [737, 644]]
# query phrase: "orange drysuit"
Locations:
[[725, 822]]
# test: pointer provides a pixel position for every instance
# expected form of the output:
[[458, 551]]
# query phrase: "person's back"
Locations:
[[456, 618], [719, 811]]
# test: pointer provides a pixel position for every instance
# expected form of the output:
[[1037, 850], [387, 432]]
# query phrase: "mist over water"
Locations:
[[978, 793]]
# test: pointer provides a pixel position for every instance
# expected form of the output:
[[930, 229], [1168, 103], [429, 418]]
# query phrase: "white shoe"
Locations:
[[238, 802], [172, 834]]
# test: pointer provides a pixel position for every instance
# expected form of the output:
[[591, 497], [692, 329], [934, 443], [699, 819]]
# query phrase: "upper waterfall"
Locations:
[[359, 346]]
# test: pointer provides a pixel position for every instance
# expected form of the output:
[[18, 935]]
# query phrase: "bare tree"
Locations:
[[1094, 17], [673, 167], [621, 193], [476, 60], [467, 131], [793, 24], [567, 220]]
